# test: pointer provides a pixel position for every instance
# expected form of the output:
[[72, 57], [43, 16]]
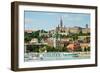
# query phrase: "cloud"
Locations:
[[28, 21]]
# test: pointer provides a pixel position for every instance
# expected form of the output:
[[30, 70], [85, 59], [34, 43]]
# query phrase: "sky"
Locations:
[[36, 20]]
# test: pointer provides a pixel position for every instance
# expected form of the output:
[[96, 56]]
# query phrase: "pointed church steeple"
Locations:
[[61, 22], [58, 26]]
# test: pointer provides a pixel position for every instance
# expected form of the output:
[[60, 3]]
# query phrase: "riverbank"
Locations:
[[33, 56]]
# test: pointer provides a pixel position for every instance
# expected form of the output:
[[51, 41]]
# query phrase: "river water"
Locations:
[[49, 56]]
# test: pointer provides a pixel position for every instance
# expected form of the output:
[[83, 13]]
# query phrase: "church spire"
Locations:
[[61, 22]]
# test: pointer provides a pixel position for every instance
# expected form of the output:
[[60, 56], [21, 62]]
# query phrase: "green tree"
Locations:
[[75, 37], [27, 37], [80, 33]]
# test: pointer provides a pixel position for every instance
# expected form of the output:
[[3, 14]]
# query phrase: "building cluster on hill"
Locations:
[[69, 37]]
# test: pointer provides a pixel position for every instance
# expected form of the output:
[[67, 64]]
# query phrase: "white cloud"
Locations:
[[28, 21]]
